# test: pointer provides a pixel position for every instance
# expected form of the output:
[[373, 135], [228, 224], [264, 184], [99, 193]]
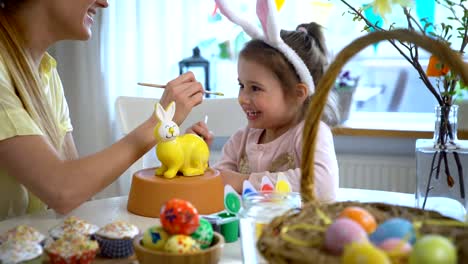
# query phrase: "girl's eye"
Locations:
[[241, 86], [256, 88]]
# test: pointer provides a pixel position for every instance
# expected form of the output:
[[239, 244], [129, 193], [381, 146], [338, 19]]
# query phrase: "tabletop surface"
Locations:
[[104, 211]]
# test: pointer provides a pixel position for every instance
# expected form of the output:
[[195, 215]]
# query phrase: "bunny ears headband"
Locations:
[[266, 12]]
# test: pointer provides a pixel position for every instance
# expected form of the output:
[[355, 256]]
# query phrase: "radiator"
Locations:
[[387, 173]]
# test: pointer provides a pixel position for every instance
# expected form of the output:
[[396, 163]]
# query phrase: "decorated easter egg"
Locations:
[[178, 216], [181, 244], [204, 234], [394, 228], [396, 247], [361, 216], [433, 249], [364, 253], [342, 232], [155, 238]]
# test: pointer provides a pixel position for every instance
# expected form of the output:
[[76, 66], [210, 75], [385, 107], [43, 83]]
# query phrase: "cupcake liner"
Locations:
[[115, 248], [84, 258]]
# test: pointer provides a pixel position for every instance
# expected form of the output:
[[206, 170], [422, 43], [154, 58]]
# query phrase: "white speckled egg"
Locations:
[[396, 246]]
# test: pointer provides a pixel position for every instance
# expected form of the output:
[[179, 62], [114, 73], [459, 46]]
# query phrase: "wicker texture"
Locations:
[[272, 243]]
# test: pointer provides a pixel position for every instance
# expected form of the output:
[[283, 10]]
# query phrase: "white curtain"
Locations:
[[87, 94]]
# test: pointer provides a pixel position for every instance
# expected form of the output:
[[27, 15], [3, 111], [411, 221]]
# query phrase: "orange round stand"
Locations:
[[149, 192]]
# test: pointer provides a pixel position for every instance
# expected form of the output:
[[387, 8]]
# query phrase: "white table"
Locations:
[[101, 212]]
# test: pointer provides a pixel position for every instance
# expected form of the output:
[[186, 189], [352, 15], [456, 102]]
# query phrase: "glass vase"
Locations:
[[258, 209], [442, 167]]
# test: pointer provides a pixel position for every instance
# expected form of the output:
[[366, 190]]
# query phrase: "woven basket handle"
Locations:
[[317, 105]]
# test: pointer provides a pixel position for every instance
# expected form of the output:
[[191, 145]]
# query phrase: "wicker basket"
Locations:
[[289, 238]]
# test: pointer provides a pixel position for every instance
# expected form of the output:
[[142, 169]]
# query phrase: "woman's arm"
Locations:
[[186, 92], [64, 185]]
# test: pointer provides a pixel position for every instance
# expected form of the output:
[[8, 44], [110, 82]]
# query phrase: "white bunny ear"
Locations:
[[160, 112], [247, 26], [266, 12], [170, 111]]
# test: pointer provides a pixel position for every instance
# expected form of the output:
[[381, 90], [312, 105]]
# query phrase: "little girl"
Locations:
[[274, 101]]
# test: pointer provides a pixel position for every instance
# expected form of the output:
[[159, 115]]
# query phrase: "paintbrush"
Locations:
[[164, 86]]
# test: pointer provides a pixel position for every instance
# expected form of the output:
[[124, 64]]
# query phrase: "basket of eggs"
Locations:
[[182, 238], [364, 233]]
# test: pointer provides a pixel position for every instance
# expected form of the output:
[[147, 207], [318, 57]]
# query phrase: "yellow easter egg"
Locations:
[[181, 244], [155, 238], [364, 253], [279, 4]]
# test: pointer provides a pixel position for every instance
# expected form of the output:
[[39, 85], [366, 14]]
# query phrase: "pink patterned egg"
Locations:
[[342, 232], [396, 246]]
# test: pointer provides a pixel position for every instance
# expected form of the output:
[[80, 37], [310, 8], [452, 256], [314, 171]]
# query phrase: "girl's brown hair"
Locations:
[[25, 77], [309, 43]]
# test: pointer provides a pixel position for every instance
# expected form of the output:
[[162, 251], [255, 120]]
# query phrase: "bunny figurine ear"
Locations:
[[170, 111], [165, 114], [160, 112]]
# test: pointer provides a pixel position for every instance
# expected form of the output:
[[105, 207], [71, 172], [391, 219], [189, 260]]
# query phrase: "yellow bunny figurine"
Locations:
[[188, 153]]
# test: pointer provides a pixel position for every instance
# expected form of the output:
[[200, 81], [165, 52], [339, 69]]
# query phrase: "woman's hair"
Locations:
[[25, 78], [309, 43]]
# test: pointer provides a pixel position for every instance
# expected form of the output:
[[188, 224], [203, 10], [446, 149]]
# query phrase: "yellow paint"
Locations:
[[283, 186]]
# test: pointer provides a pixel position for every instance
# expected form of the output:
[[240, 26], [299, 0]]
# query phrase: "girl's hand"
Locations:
[[201, 129], [186, 92]]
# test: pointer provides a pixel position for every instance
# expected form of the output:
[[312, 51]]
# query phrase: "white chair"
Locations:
[[224, 118]]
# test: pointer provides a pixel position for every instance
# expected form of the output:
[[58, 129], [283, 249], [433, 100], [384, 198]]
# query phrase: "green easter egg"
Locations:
[[204, 234], [433, 249], [155, 238]]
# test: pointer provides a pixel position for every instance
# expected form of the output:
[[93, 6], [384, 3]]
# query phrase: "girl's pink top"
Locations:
[[243, 154]]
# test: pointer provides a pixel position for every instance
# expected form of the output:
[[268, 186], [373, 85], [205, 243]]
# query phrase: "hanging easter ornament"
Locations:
[[279, 4], [267, 185], [247, 188], [282, 184], [232, 200]]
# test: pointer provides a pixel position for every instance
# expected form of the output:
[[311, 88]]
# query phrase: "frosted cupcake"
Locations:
[[24, 233], [72, 248], [116, 239], [20, 251], [73, 225]]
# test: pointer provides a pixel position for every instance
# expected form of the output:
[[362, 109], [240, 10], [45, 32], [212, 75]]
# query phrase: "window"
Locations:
[[152, 36]]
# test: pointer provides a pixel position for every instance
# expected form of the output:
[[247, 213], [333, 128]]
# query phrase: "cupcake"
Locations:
[[73, 225], [20, 251], [116, 239], [24, 233], [72, 248]]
